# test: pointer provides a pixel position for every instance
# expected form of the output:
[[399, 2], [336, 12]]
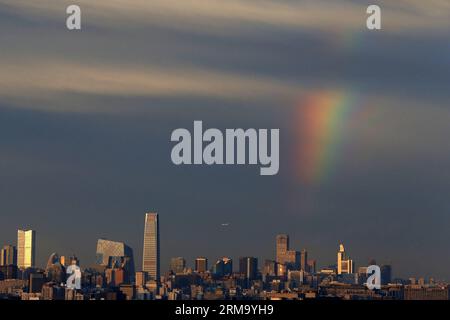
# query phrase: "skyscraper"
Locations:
[[26, 248], [289, 258], [223, 267], [201, 264], [282, 247], [344, 265], [8, 256], [304, 261], [312, 266], [151, 259], [386, 274], [270, 268], [248, 266]]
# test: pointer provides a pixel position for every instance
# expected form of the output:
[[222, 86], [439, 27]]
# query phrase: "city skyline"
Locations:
[[291, 276], [108, 251]]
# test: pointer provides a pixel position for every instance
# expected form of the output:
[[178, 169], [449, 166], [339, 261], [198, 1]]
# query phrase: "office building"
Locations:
[[223, 267], [8, 272], [116, 255], [151, 254], [26, 248], [36, 281], [281, 270], [312, 266], [201, 264], [116, 277], [248, 266], [8, 256], [344, 265], [386, 274], [282, 243], [270, 268], [295, 278], [285, 256], [304, 260], [141, 278]]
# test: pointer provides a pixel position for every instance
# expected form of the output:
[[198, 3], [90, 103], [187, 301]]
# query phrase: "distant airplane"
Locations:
[[225, 224]]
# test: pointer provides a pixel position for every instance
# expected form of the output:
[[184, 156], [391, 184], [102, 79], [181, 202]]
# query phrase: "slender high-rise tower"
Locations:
[[150, 261], [26, 248], [282, 247], [304, 261]]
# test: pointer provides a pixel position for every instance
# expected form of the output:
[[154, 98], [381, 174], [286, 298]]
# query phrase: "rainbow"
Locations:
[[321, 119]]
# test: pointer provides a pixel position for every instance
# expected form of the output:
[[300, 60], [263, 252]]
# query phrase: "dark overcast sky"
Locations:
[[86, 118]]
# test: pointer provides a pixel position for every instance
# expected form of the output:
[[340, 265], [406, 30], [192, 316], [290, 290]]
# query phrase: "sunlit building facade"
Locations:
[[201, 264], [289, 258], [304, 260], [8, 256], [282, 242], [26, 248], [116, 255], [344, 265], [151, 254]]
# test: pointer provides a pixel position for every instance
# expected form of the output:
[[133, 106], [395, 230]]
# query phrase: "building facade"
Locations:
[[201, 264], [8, 256], [284, 256], [248, 266], [344, 265], [304, 260], [26, 248], [116, 255], [151, 254], [282, 246]]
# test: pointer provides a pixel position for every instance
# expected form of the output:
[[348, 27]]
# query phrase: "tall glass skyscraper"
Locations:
[[151, 259], [26, 248]]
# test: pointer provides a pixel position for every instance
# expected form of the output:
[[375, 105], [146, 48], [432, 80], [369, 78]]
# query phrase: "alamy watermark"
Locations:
[[74, 277], [73, 21], [235, 146], [374, 277]]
